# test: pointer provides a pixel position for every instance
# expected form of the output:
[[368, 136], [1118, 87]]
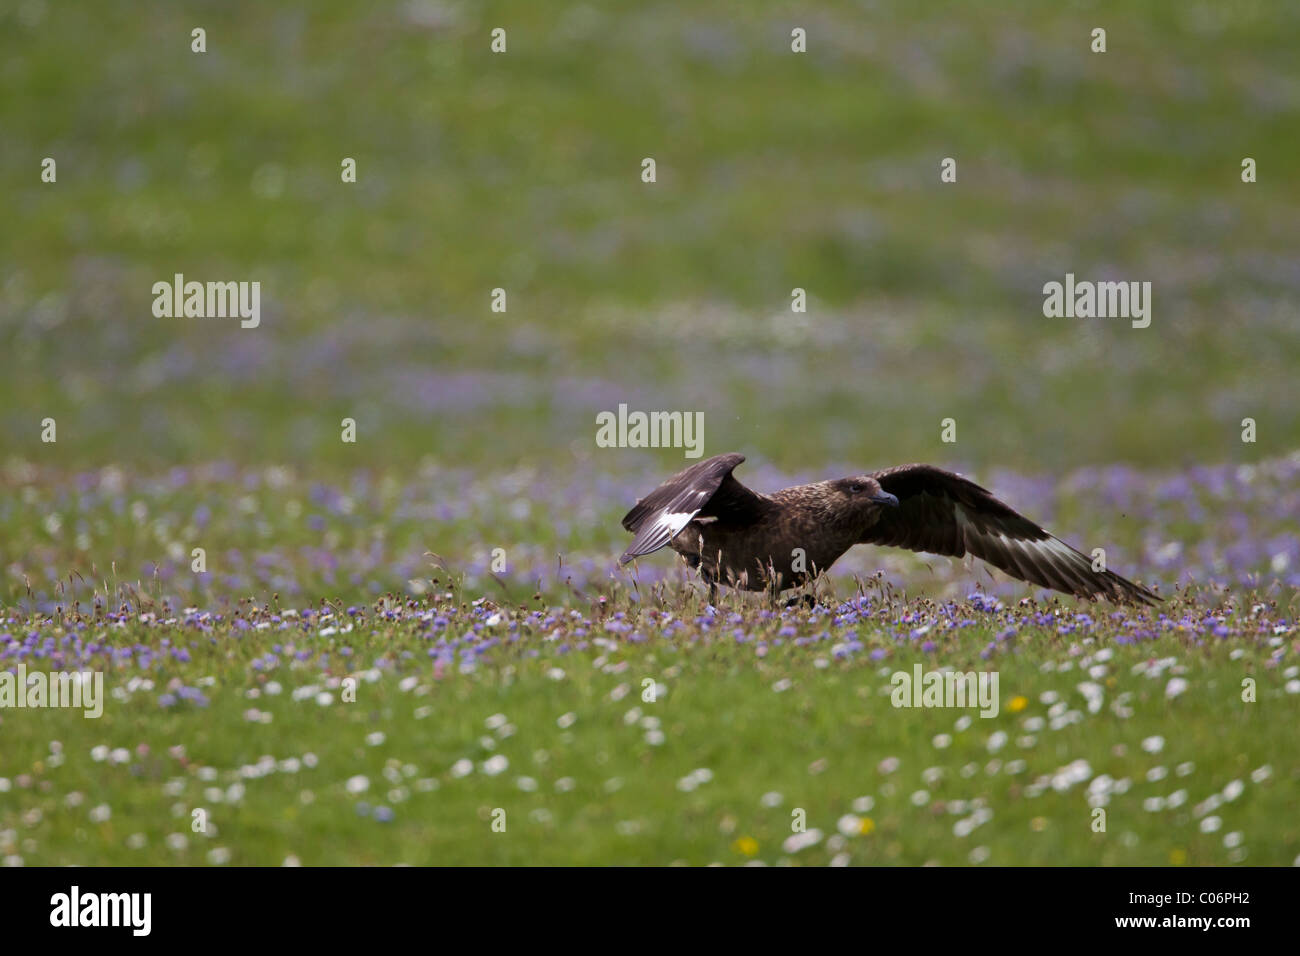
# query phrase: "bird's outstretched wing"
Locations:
[[706, 489], [944, 513]]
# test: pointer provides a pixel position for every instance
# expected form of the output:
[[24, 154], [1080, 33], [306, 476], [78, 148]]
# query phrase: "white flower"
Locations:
[[1153, 745], [694, 779], [357, 784], [849, 825], [800, 841], [1175, 687], [1093, 694]]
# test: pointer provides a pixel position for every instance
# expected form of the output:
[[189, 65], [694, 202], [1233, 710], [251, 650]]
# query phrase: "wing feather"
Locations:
[[944, 513], [706, 488]]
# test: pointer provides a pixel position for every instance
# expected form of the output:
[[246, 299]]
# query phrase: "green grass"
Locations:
[[521, 171], [799, 722]]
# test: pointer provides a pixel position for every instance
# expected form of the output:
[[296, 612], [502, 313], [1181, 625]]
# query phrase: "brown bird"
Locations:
[[743, 539]]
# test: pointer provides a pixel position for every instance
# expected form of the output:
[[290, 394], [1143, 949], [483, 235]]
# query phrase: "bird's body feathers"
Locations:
[[756, 542]]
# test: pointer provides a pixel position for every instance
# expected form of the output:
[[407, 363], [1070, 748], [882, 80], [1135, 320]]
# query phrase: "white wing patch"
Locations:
[[670, 525], [665, 526]]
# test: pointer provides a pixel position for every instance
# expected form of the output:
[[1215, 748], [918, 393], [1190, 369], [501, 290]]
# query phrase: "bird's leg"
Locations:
[[806, 597], [713, 589], [773, 586]]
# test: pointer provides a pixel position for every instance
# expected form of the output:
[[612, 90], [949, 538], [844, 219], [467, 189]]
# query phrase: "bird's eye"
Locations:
[[857, 488]]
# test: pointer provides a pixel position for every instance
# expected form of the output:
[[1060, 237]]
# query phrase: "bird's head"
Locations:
[[862, 495]]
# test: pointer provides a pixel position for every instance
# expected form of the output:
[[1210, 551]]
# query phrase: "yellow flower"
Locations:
[[1017, 704], [1177, 857], [746, 845], [866, 826]]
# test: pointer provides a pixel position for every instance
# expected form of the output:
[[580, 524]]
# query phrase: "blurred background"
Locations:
[[522, 171]]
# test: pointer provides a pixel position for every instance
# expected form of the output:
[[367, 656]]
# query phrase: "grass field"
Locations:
[[629, 734], [456, 563], [524, 692]]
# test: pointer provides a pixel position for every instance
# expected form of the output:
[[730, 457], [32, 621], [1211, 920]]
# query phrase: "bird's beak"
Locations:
[[885, 498]]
